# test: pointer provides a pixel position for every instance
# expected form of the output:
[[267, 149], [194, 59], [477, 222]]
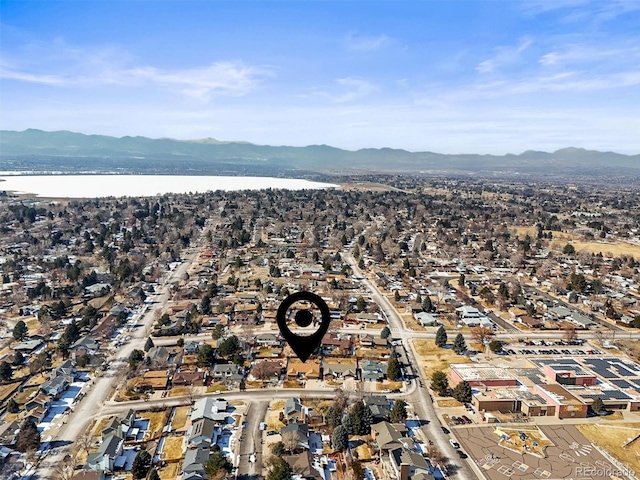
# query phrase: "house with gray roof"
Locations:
[[389, 435], [373, 371], [294, 409], [193, 466], [207, 407], [379, 406], [201, 433], [299, 429], [108, 451]]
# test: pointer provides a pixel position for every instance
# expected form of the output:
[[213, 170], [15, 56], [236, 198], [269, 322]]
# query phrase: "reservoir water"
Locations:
[[92, 186]]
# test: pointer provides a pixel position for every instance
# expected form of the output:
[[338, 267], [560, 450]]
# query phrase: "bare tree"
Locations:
[[290, 440], [570, 333], [482, 334]]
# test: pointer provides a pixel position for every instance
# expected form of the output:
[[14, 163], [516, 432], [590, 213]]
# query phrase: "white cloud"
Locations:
[[347, 90], [504, 56], [73, 67], [368, 43]]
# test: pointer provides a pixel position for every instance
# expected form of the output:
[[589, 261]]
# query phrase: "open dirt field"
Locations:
[[180, 418], [613, 438], [433, 358], [157, 421], [170, 472], [172, 449]]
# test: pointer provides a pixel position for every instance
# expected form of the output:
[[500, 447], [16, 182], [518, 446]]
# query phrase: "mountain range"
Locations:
[[68, 152]]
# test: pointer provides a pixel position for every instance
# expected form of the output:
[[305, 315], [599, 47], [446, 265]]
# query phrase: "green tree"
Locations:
[[461, 280], [496, 346], [135, 358], [441, 337], [569, 249], [6, 372], [385, 332], [28, 437], [217, 332], [361, 304], [332, 417], [229, 346], [141, 464], [279, 469], [18, 358], [218, 464], [439, 382], [597, 405], [459, 345], [394, 372], [205, 305], [148, 345], [340, 438], [154, 475], [427, 306], [206, 356], [361, 418], [398, 413], [278, 448], [462, 392], [396, 296], [20, 330], [12, 406]]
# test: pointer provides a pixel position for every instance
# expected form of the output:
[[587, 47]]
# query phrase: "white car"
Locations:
[[453, 443]]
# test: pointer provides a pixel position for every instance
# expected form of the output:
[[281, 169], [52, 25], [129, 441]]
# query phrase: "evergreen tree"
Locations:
[[12, 406], [459, 345], [206, 355], [597, 405], [217, 464], [135, 358], [205, 305], [279, 469], [18, 358], [462, 392], [340, 438], [385, 332], [148, 345], [229, 346], [6, 372], [441, 337], [141, 464], [439, 382], [332, 417], [394, 372], [20, 331], [427, 306], [348, 424], [28, 437], [398, 413], [361, 419]]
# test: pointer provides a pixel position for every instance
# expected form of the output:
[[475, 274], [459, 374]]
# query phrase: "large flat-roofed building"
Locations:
[[567, 405], [482, 375], [512, 399], [567, 372]]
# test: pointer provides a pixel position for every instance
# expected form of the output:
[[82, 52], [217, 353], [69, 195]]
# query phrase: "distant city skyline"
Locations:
[[451, 77]]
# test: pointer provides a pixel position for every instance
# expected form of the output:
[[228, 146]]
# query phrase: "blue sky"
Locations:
[[452, 77]]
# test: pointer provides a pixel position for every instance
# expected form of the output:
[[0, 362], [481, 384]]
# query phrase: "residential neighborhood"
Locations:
[[470, 320]]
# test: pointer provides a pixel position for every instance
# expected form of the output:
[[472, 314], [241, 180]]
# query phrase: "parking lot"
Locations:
[[571, 456]]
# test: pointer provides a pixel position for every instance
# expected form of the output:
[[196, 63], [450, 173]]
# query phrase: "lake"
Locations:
[[92, 186]]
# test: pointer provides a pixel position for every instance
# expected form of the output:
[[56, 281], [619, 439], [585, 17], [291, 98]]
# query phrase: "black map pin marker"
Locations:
[[302, 345]]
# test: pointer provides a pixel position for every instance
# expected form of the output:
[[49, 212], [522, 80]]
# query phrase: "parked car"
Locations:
[[453, 443]]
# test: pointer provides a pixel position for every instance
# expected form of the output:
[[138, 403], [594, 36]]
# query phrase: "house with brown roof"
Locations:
[[186, 379], [303, 371], [152, 380]]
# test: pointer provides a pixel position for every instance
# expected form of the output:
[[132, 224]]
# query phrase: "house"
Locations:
[[373, 371], [37, 415], [104, 458], [8, 432], [187, 379], [300, 430], [268, 340], [379, 406], [90, 475], [152, 380], [66, 370], [41, 400], [5, 456], [191, 348], [267, 369], [213, 409], [426, 319], [303, 465], [194, 461], [119, 425], [293, 409], [582, 321], [55, 386], [530, 321], [28, 346], [410, 465], [201, 433], [229, 372], [84, 346], [339, 368], [336, 344], [303, 371], [388, 435]]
